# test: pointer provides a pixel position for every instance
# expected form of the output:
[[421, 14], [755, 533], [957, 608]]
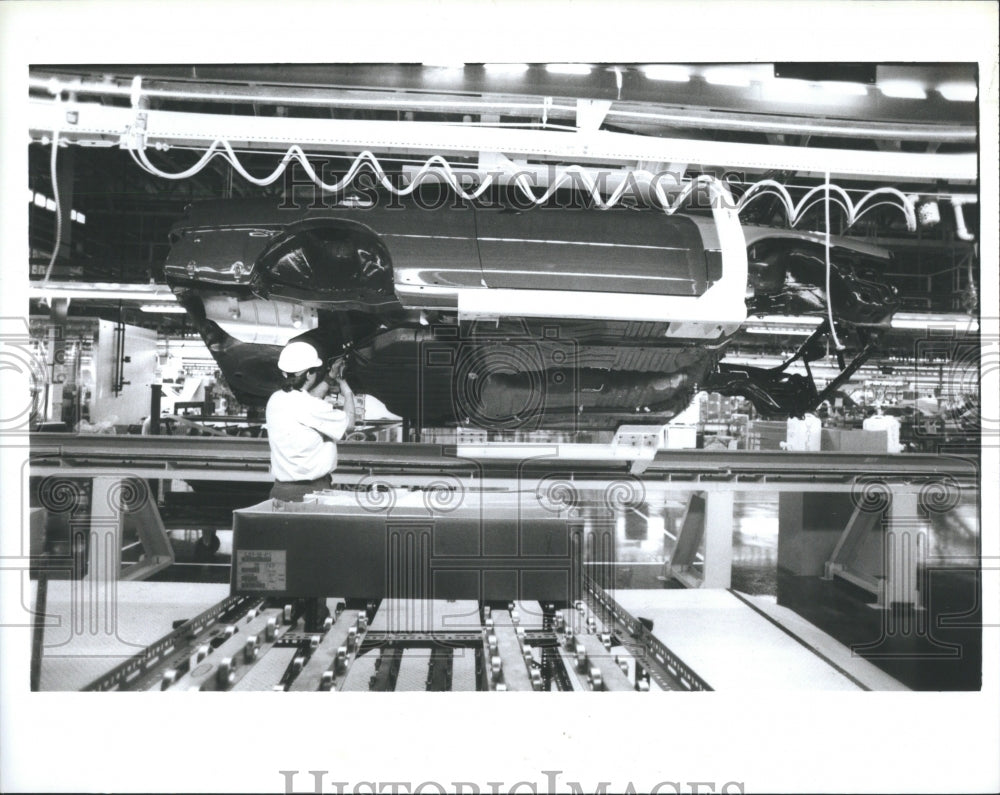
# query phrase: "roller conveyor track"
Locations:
[[414, 670], [509, 651], [463, 669], [329, 657], [361, 673], [590, 646], [175, 650], [268, 673], [600, 667], [664, 669], [265, 648], [386, 670]]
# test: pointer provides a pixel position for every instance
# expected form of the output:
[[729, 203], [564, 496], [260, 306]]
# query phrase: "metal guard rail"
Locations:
[[502, 460]]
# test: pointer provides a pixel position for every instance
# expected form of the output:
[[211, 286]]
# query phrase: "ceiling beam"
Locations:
[[79, 121], [702, 115], [621, 83]]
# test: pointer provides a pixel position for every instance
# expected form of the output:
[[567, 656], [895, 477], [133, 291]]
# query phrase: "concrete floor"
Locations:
[[734, 647], [84, 639]]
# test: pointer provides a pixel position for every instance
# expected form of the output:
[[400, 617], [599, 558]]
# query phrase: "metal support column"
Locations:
[[718, 539], [156, 391], [95, 599], [118, 502], [707, 521], [881, 550], [680, 566], [905, 544]]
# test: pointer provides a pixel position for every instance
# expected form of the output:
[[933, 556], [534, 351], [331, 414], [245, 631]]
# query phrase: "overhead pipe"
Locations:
[[549, 107], [958, 202], [173, 128]]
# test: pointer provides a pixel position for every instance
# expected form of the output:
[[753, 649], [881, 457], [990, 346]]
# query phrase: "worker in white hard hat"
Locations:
[[302, 427]]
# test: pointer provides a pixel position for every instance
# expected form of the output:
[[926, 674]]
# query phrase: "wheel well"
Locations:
[[324, 254]]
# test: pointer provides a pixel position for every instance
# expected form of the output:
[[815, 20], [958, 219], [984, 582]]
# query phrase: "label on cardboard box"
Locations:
[[260, 570]]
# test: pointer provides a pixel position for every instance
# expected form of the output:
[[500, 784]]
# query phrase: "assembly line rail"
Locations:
[[191, 457]]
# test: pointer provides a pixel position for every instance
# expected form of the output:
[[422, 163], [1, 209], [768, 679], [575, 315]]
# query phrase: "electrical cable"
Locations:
[[55, 196], [571, 175], [852, 210], [829, 301], [924, 195]]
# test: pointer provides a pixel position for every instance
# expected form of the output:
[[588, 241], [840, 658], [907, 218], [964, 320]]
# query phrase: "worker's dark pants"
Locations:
[[295, 490], [313, 610]]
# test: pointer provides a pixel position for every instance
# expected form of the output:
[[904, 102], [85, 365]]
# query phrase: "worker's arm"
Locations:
[[336, 375], [348, 396], [332, 422], [329, 421]]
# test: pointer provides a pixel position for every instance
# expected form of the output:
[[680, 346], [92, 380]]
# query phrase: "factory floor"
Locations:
[[937, 647], [741, 643], [86, 636]]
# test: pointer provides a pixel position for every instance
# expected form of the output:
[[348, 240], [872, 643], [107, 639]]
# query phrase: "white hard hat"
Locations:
[[298, 356]]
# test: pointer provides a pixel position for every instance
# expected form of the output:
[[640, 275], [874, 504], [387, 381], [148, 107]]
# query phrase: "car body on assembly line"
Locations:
[[553, 317]]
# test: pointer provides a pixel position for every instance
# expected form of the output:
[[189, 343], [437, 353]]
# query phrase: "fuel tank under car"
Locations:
[[506, 320]]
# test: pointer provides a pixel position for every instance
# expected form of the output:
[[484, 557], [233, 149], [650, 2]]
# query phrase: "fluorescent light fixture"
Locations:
[[46, 203], [506, 68], [670, 72], [736, 76], [844, 89], [803, 325], [96, 291], [783, 325], [784, 320], [786, 90], [791, 91], [958, 92], [568, 68], [784, 331], [163, 309], [925, 322], [903, 89]]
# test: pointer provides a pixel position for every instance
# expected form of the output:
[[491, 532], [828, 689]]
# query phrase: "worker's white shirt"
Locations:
[[301, 430]]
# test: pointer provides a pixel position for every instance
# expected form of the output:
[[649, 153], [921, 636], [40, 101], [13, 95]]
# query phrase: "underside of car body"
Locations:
[[560, 318]]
